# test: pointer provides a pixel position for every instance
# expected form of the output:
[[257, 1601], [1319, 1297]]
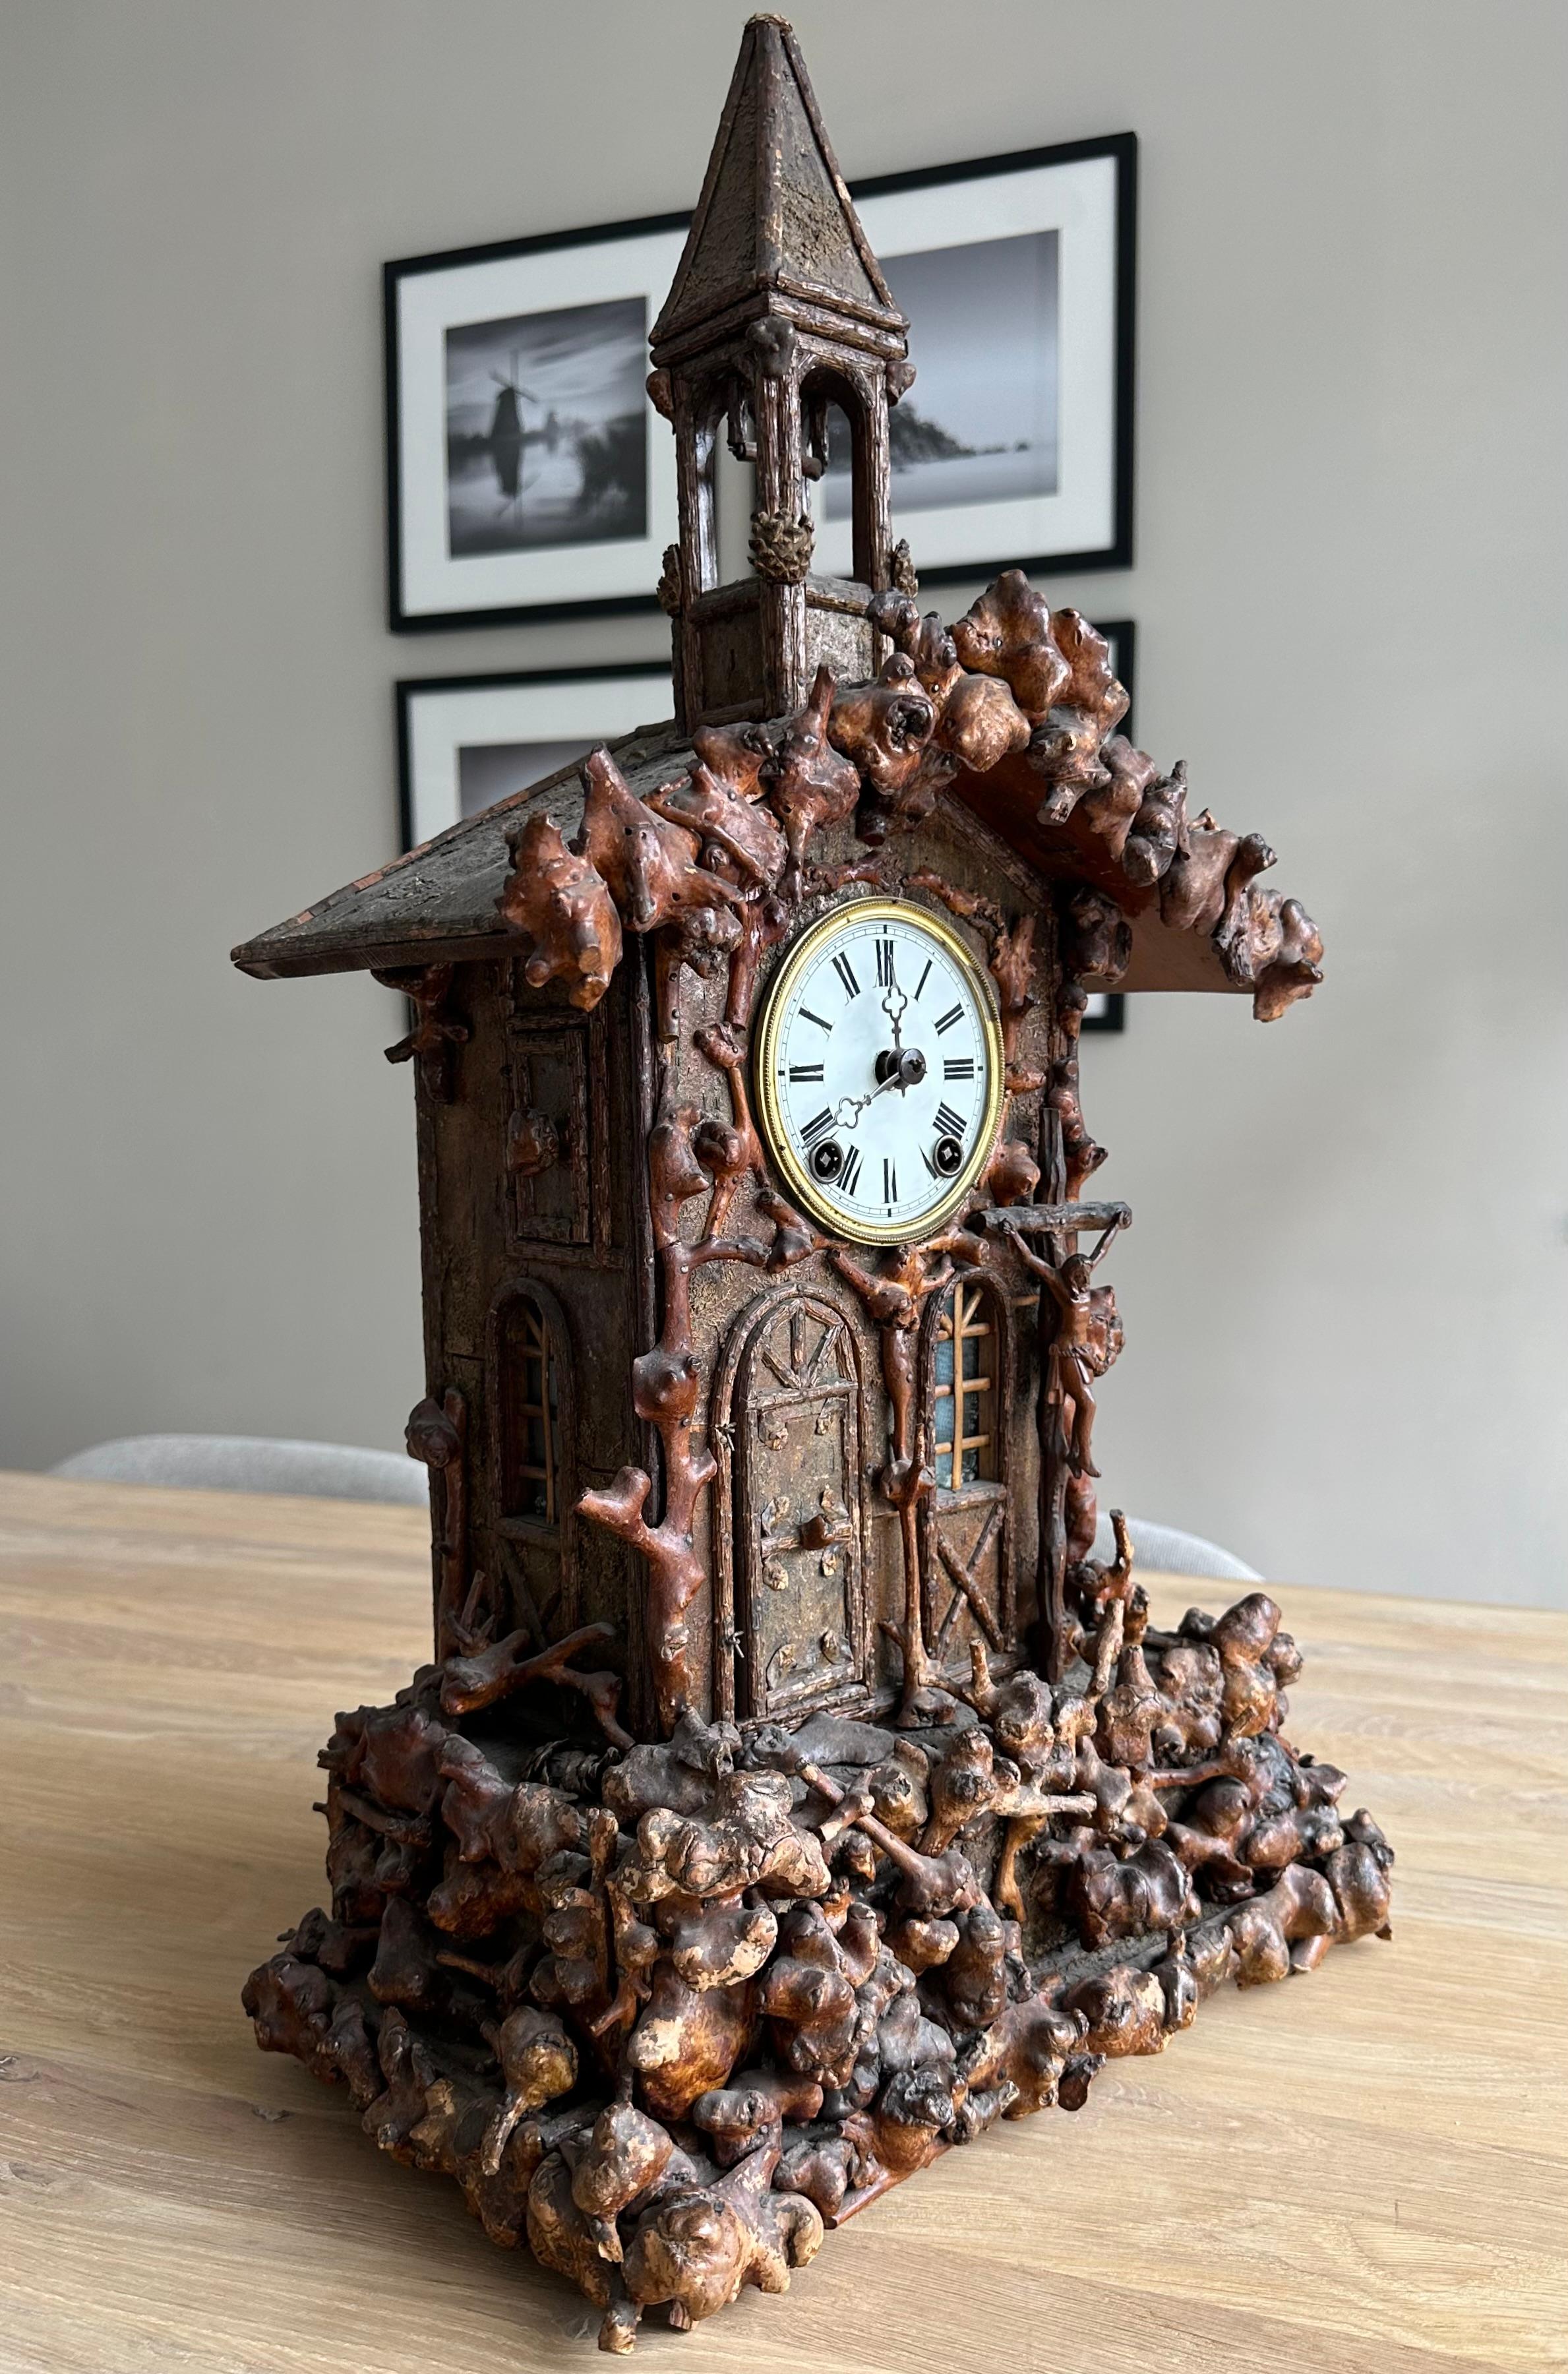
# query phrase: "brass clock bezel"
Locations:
[[802, 1188]]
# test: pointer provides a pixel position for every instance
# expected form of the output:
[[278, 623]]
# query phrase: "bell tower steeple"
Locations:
[[778, 312]]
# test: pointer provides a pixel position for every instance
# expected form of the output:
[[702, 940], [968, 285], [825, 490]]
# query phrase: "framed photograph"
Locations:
[[1013, 448], [464, 741], [528, 475]]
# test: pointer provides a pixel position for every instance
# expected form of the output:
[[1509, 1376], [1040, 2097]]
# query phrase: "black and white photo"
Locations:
[[963, 435], [546, 437], [1014, 447], [528, 475]]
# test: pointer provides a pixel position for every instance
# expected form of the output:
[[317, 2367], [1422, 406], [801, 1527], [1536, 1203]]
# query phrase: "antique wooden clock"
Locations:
[[792, 1792]]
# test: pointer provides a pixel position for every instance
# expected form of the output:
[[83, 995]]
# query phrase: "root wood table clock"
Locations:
[[792, 1793]]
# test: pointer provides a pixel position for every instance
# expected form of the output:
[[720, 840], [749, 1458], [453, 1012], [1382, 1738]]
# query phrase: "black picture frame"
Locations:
[[1115, 552], [410, 690], [408, 269], [1121, 149]]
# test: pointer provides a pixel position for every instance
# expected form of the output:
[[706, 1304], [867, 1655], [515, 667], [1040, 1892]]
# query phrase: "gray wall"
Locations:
[[1345, 1289]]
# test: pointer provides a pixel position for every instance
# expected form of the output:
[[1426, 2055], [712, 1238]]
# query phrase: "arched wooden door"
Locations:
[[966, 1543], [791, 1598]]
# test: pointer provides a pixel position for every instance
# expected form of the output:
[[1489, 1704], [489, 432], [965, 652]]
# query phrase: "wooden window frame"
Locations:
[[547, 1318], [961, 1302]]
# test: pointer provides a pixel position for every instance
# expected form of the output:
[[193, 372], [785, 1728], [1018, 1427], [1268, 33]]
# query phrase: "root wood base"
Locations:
[[666, 2013]]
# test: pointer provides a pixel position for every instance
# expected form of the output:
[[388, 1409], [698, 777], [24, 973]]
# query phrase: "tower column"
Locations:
[[779, 555]]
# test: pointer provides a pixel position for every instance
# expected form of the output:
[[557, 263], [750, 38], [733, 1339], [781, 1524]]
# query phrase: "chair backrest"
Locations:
[[1166, 1549], [252, 1463]]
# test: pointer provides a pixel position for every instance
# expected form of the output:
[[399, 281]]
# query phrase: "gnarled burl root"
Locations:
[[470, 1683], [737, 836], [1108, 809], [1110, 1899], [560, 905], [1008, 632], [687, 2039], [811, 784], [750, 2111], [1067, 750], [519, 1827], [749, 1840], [538, 2062], [1357, 1873], [1123, 2012], [679, 1773], [882, 729], [913, 2115], [697, 2252], [649, 863], [297, 2009], [1027, 2048], [1299, 1906]]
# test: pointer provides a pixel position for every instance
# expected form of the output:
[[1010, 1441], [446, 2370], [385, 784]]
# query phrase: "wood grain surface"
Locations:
[[1363, 2169]]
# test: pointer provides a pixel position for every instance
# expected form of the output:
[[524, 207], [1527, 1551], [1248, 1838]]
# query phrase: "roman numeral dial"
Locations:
[[877, 1070]]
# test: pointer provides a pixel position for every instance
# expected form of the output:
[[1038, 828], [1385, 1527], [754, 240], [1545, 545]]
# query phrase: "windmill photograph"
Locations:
[[546, 428]]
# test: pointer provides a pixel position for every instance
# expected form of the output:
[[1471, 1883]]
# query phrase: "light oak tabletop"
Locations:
[[1366, 2168]]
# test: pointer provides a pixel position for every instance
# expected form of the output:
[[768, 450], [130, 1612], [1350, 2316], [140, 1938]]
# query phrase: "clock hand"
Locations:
[[847, 1110], [900, 1069]]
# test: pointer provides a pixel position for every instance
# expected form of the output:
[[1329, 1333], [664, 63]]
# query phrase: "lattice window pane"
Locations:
[[963, 1389]]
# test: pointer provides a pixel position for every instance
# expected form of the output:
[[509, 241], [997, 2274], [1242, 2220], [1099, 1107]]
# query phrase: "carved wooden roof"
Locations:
[[442, 897], [1012, 714], [774, 219]]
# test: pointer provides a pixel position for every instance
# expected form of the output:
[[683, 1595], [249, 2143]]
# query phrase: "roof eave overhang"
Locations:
[[264, 959]]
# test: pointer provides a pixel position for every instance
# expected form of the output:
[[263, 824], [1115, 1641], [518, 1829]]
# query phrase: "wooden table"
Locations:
[[1361, 2169]]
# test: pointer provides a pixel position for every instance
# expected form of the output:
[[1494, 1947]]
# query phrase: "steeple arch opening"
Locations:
[[837, 431]]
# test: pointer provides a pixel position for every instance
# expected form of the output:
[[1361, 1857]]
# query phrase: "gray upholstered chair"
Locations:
[[337, 1471], [1164, 1549], [251, 1462]]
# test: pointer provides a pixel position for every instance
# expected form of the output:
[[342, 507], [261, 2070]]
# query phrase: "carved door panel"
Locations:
[[964, 1573], [967, 1549], [796, 1430]]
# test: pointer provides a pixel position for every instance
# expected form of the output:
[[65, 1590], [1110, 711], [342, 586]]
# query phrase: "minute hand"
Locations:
[[847, 1110]]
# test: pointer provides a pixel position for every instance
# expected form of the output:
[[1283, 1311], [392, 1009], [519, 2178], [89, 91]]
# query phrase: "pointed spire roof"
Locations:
[[774, 217]]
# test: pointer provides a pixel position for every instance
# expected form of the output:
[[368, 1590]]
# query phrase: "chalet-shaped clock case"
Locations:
[[792, 1792]]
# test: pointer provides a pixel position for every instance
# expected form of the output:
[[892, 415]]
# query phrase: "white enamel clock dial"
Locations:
[[878, 1071]]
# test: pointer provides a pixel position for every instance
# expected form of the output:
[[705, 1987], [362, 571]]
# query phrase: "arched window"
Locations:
[[833, 449], [964, 1416], [530, 1414]]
